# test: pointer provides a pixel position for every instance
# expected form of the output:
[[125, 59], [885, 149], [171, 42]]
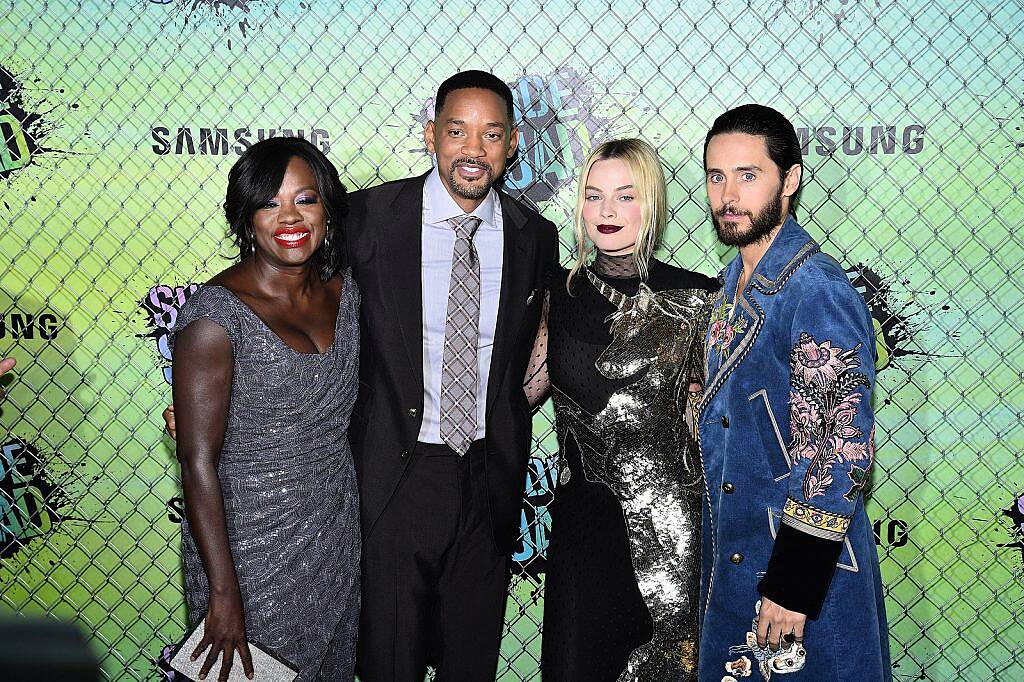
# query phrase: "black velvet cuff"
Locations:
[[800, 571]]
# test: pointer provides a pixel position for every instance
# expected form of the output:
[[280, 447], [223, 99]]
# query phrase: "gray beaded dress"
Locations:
[[289, 487]]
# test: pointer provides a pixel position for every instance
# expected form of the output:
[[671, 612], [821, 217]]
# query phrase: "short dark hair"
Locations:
[[779, 136], [255, 179], [476, 79]]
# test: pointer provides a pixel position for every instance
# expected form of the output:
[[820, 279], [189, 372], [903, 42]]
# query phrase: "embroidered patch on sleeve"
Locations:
[[859, 475], [807, 519], [823, 404], [723, 330]]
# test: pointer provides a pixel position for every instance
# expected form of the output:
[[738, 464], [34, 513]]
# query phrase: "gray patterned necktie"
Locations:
[[459, 374]]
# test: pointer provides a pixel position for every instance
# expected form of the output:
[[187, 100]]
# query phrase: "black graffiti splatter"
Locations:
[[899, 330], [35, 495], [1016, 137], [820, 16], [226, 13], [160, 310], [1015, 512], [25, 125], [222, 5]]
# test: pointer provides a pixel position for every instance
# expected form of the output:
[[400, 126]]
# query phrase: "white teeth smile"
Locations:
[[292, 236]]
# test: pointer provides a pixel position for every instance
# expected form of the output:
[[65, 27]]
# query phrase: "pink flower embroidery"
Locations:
[[844, 414], [819, 363], [824, 402], [722, 332], [802, 419], [716, 331], [851, 451], [728, 334]]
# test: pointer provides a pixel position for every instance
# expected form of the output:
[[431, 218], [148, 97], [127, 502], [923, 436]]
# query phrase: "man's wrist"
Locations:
[[800, 571]]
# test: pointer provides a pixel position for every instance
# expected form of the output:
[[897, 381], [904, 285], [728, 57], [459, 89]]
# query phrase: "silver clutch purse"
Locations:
[[265, 667]]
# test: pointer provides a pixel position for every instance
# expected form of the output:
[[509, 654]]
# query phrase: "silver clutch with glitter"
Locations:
[[265, 667]]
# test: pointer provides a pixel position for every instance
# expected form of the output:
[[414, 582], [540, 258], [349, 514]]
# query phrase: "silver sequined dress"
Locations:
[[623, 564], [289, 487]]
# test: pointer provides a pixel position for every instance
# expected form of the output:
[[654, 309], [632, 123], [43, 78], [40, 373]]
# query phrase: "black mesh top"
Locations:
[[595, 614]]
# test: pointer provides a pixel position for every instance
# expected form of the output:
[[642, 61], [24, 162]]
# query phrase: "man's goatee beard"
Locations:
[[469, 191], [761, 225]]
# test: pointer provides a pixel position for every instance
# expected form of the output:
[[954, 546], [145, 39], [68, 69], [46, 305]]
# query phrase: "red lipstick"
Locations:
[[291, 237], [608, 229]]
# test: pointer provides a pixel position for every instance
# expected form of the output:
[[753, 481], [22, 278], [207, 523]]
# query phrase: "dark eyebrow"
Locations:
[[738, 168], [593, 188], [489, 124]]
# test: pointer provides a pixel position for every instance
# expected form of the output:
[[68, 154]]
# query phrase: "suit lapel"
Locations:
[[403, 272], [515, 279], [788, 251]]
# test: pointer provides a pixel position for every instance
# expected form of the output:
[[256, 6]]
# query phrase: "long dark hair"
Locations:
[[779, 137], [255, 179]]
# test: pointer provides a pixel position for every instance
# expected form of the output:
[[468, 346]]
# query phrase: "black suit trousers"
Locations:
[[434, 584]]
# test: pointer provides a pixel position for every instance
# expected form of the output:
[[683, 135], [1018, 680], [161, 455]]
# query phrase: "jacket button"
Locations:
[[725, 422], [413, 412], [736, 558], [405, 453], [728, 488]]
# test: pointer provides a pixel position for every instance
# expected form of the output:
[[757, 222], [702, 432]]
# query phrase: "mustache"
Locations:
[[720, 213], [472, 162]]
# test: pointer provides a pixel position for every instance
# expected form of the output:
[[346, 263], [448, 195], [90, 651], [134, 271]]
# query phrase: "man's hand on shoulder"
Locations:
[[6, 365], [169, 421]]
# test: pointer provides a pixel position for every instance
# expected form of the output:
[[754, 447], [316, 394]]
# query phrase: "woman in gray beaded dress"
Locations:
[[265, 376]]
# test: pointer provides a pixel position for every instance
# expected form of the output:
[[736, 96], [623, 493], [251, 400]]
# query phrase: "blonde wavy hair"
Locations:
[[649, 182]]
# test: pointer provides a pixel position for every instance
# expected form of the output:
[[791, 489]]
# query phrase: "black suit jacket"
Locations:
[[383, 232]]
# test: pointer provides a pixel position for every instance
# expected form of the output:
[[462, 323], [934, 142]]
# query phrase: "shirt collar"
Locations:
[[790, 248], [439, 207]]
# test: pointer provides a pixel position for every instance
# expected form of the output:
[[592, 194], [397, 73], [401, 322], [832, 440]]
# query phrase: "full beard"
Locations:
[[471, 192], [761, 225]]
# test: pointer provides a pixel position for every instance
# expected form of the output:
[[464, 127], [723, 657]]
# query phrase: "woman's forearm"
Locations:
[[204, 508]]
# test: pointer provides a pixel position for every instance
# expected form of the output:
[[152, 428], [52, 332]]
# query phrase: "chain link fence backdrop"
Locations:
[[122, 118]]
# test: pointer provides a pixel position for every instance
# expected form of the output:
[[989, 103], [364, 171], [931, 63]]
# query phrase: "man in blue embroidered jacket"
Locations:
[[790, 581]]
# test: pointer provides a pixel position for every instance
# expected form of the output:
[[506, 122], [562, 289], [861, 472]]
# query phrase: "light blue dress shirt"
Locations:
[[438, 242]]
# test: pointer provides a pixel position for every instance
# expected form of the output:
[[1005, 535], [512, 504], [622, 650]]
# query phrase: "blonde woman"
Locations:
[[617, 353]]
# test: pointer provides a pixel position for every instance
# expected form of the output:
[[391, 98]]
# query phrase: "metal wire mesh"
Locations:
[[121, 120]]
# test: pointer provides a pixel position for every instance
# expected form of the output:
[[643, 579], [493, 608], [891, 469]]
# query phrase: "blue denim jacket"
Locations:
[[785, 428]]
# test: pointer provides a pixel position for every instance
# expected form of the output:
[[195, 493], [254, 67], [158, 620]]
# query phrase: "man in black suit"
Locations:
[[441, 428], [451, 272]]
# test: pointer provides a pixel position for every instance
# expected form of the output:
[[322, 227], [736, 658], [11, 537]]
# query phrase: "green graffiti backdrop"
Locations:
[[121, 119]]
